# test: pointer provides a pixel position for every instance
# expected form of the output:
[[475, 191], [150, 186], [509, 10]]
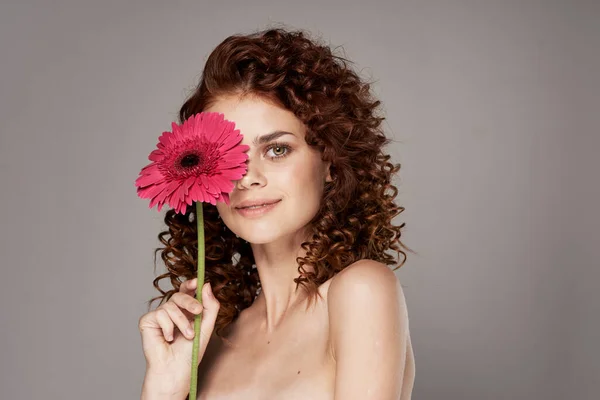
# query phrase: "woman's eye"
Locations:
[[279, 150]]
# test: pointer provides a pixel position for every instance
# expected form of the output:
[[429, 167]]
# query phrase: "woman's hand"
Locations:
[[168, 351]]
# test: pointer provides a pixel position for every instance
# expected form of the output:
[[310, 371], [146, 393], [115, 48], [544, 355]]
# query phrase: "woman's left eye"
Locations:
[[278, 149]]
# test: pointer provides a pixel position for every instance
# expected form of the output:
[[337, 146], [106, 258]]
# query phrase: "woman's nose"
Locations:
[[252, 176]]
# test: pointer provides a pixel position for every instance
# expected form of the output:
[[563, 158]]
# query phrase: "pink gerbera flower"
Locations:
[[197, 162]]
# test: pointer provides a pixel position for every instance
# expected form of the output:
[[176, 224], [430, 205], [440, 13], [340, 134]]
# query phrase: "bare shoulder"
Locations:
[[365, 276], [368, 288], [369, 335]]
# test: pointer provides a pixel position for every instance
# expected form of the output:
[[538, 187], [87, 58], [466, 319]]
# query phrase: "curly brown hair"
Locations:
[[354, 220]]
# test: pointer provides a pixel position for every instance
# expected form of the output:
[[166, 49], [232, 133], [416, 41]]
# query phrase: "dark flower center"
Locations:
[[190, 160]]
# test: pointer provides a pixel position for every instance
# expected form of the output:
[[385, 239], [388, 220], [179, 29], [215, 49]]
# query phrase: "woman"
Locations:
[[299, 290]]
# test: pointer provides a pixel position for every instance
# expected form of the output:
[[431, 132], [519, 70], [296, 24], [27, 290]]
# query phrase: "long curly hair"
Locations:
[[354, 220]]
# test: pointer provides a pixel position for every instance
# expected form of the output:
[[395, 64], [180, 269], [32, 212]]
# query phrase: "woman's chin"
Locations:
[[260, 239], [255, 240]]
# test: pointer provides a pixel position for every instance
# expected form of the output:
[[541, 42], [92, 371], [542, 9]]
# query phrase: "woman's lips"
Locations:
[[257, 211]]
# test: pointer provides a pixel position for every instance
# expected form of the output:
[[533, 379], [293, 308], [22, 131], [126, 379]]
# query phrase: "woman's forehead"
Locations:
[[256, 119]]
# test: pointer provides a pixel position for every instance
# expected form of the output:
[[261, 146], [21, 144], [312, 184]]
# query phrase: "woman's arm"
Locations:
[[369, 332], [156, 387]]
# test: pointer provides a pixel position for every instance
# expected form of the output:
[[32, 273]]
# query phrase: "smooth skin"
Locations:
[[168, 351]]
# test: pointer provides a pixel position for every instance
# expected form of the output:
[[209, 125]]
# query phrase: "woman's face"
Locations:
[[284, 168]]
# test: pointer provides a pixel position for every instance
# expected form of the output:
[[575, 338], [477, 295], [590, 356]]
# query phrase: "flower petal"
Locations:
[[165, 182]]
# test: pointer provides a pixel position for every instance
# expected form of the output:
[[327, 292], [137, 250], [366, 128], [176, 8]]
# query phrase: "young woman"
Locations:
[[298, 286]]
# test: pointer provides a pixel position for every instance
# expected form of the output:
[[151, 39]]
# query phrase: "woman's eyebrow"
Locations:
[[270, 136]]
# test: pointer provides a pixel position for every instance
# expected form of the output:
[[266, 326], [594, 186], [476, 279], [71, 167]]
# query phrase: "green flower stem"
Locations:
[[198, 317]]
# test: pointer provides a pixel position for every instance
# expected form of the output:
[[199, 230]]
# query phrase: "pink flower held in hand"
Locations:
[[197, 162]]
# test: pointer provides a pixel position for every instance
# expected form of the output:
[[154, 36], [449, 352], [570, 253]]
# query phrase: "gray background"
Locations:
[[494, 108]]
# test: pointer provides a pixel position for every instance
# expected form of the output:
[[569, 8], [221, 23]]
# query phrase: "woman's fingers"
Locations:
[[170, 313], [188, 286], [163, 347], [186, 302], [179, 319], [211, 310], [165, 323]]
